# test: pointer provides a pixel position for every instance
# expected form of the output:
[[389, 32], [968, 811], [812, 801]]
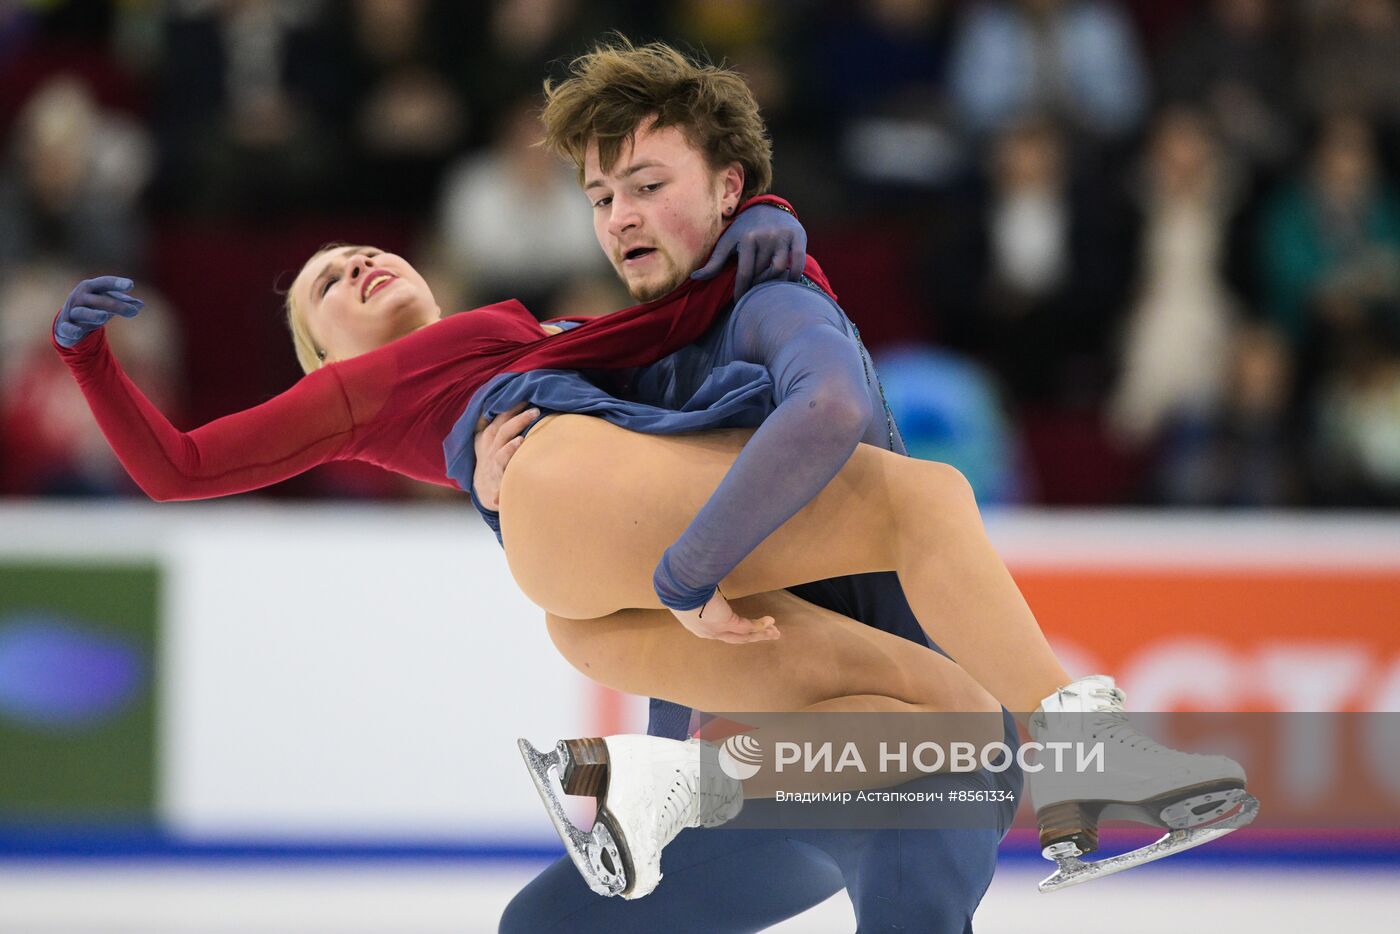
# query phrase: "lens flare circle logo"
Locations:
[[740, 757]]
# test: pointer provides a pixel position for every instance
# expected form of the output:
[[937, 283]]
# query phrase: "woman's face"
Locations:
[[356, 299]]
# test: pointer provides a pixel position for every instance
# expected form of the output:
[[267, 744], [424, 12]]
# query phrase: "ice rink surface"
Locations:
[[467, 898]]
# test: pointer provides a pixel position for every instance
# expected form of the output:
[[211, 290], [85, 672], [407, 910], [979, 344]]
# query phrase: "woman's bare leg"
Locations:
[[822, 657], [824, 663], [588, 508]]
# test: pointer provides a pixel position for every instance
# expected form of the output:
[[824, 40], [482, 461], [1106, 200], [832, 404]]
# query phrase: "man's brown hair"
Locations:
[[612, 90]]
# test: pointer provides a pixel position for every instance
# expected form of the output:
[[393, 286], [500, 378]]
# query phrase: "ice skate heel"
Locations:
[[582, 767], [586, 772], [1070, 828]]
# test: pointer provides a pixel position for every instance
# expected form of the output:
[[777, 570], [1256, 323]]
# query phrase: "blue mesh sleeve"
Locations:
[[823, 410]]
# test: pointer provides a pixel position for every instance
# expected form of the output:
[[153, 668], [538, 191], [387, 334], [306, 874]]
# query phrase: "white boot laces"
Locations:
[[1111, 721], [696, 801], [678, 807]]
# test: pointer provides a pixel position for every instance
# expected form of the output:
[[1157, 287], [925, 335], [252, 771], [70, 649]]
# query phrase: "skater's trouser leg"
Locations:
[[916, 880], [728, 881], [715, 882]]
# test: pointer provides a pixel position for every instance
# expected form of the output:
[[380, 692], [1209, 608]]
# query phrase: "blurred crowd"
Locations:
[[1135, 252]]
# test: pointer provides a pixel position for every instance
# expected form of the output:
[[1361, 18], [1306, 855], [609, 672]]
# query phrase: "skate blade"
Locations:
[[1072, 871], [596, 854], [1224, 806]]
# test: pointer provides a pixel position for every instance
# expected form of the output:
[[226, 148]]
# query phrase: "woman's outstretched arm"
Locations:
[[308, 425]]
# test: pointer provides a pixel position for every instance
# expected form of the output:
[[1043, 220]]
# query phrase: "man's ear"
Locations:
[[731, 180]]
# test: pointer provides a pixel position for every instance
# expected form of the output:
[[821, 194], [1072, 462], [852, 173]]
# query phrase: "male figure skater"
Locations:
[[650, 205]]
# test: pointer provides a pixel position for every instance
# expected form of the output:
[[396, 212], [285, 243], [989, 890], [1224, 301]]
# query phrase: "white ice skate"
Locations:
[[1195, 798], [648, 789]]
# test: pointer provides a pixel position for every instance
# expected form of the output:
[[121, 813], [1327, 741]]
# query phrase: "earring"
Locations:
[[729, 210], [320, 355]]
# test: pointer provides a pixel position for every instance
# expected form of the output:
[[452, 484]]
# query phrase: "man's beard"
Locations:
[[650, 291]]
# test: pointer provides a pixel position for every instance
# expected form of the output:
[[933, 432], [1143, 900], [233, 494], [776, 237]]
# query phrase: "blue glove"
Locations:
[[92, 304], [770, 242]]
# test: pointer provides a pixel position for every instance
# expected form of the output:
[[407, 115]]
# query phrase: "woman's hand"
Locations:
[[717, 620], [770, 243], [92, 304], [495, 444]]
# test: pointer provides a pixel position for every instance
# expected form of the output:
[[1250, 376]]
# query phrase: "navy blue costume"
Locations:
[[723, 880]]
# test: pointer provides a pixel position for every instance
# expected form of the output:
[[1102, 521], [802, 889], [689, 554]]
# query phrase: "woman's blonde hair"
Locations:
[[309, 355], [613, 89]]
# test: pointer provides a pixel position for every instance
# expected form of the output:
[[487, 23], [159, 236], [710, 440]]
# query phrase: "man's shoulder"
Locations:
[[781, 294]]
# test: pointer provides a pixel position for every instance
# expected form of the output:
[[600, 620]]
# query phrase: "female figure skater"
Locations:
[[393, 383]]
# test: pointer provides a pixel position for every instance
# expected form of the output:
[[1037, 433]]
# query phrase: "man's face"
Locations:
[[659, 210]]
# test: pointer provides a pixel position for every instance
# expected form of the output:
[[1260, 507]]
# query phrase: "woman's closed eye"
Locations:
[[327, 287]]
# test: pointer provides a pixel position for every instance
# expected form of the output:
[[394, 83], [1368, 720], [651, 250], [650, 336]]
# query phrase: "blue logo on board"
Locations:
[[65, 674]]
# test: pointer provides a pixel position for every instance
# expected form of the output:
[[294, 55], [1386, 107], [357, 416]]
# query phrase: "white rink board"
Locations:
[[335, 674], [353, 673]]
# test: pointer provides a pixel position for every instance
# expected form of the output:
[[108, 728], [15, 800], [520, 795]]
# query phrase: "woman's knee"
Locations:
[[929, 495], [946, 688], [946, 484], [970, 697]]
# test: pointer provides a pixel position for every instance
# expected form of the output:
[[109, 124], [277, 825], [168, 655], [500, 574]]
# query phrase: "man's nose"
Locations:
[[623, 217]]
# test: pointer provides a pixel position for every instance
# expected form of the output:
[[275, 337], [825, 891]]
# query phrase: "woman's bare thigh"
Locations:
[[587, 508], [821, 656]]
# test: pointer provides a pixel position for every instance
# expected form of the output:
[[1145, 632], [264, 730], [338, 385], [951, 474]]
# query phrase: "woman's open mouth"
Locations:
[[375, 282]]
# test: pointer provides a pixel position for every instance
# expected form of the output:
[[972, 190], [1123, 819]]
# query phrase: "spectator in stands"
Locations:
[[1355, 441], [1334, 225], [1352, 60], [586, 294], [71, 182], [404, 116], [512, 221], [1034, 271], [503, 47], [1236, 62], [245, 90], [1076, 59], [280, 110], [875, 73], [1176, 353], [1240, 451]]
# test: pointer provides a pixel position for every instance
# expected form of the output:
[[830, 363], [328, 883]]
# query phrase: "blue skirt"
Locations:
[[737, 394]]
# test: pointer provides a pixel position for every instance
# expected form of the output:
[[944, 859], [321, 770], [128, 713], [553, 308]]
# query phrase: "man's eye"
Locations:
[[327, 287], [603, 202], [652, 187]]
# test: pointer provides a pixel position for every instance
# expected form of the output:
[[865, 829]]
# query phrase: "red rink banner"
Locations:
[[1241, 639], [1251, 615]]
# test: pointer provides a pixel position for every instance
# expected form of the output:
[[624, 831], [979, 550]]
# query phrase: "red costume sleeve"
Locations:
[[307, 425], [391, 407]]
